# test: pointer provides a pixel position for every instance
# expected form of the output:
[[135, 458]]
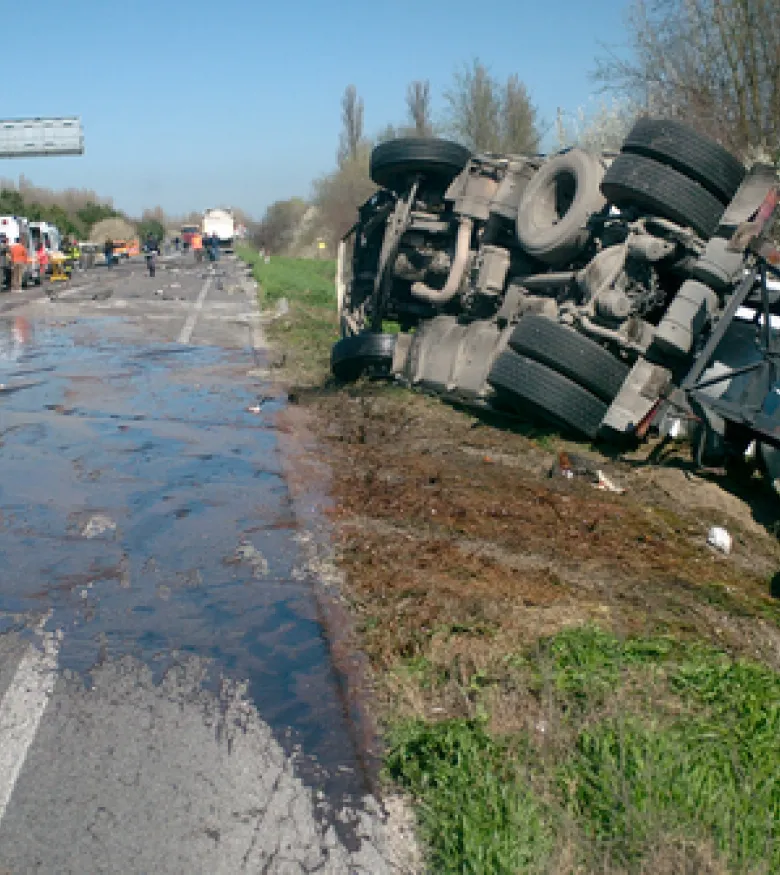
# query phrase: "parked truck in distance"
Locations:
[[223, 224]]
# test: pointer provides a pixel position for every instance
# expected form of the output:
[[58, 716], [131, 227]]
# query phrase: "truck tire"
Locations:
[[530, 387], [553, 212], [564, 350], [395, 163], [369, 353], [697, 157], [636, 181]]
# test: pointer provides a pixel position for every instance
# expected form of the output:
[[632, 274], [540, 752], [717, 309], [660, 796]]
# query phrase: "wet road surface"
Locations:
[[167, 697]]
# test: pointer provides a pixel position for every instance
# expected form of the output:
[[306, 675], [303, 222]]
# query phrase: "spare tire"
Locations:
[[569, 353], [395, 163], [530, 387], [370, 354], [636, 181], [697, 157], [553, 212]]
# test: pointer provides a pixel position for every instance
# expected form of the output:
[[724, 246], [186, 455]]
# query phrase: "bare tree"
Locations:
[[474, 104], [276, 231], [600, 128], [489, 117], [713, 63], [390, 132], [418, 102], [519, 133], [352, 125], [337, 195]]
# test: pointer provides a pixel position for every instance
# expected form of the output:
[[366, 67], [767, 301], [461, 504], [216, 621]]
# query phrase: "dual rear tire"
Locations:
[[557, 375]]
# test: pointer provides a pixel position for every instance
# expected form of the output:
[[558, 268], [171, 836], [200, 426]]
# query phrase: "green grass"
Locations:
[[476, 811], [307, 332], [649, 741], [304, 280]]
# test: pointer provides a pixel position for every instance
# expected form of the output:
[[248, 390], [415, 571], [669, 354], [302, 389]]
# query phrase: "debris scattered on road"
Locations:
[[247, 553], [262, 399], [97, 525], [720, 539]]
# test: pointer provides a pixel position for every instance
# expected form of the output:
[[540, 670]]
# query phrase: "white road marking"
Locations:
[[257, 336], [21, 711], [189, 325]]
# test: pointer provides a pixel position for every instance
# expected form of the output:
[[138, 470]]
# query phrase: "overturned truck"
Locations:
[[604, 294]]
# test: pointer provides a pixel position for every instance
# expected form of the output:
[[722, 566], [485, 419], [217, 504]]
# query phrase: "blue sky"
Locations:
[[195, 104]]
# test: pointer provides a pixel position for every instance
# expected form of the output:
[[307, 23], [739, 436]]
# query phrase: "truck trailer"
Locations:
[[222, 223]]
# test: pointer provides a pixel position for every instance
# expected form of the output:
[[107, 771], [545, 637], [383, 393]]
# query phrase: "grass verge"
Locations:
[[306, 332], [643, 754]]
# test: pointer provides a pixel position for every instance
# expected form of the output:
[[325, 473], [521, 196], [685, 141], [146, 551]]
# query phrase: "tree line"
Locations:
[[712, 63], [73, 211]]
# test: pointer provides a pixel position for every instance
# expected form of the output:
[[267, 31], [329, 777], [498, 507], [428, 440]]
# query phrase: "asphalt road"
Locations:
[[168, 701]]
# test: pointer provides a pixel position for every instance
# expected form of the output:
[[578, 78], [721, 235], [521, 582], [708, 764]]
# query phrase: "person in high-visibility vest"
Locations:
[[18, 265], [197, 246]]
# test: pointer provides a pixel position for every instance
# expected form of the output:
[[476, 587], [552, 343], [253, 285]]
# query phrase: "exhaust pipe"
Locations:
[[462, 247]]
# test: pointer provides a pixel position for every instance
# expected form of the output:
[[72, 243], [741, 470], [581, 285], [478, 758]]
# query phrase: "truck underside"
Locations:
[[581, 289]]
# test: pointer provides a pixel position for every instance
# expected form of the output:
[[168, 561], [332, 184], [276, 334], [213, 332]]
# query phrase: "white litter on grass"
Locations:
[[97, 525], [720, 539]]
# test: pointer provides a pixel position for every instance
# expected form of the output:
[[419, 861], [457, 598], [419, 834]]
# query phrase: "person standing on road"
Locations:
[[152, 247], [18, 264], [108, 249], [197, 247], [214, 247], [43, 259], [5, 262]]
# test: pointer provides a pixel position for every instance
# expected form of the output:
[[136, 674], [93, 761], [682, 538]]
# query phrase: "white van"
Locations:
[[17, 228], [49, 235]]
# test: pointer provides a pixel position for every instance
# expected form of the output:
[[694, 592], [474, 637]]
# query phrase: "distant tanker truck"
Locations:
[[223, 224]]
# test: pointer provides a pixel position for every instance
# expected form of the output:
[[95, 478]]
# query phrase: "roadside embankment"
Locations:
[[568, 678]]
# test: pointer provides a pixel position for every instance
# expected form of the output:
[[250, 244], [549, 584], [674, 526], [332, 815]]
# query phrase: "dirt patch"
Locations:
[[451, 529]]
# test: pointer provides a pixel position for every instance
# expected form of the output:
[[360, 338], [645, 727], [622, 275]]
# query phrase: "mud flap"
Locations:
[[642, 388]]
